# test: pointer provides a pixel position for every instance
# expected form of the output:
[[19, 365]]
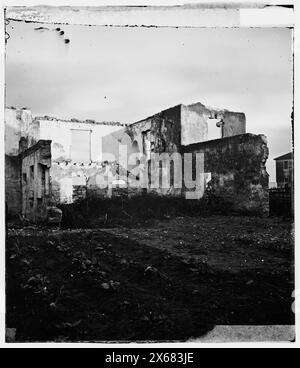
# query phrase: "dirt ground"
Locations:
[[171, 280]]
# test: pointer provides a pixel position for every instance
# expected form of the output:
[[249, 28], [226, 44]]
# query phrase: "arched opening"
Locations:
[[135, 147]]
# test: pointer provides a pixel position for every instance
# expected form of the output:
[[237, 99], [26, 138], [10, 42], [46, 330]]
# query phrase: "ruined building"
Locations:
[[51, 161], [34, 150], [285, 171]]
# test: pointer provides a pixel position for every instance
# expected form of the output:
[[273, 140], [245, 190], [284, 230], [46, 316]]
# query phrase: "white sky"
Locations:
[[127, 74]]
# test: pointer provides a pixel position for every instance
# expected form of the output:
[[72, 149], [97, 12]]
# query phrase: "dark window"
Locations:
[[43, 176], [149, 172], [135, 147], [45, 180], [32, 172], [172, 173], [81, 146], [286, 164], [25, 177]]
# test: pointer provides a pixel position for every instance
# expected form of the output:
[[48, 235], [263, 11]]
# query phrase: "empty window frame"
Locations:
[[32, 172], [45, 180], [81, 146]]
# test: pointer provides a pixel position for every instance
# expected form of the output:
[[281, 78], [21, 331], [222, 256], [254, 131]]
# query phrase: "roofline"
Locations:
[[153, 116], [40, 144], [284, 157], [51, 118], [209, 108], [74, 121]]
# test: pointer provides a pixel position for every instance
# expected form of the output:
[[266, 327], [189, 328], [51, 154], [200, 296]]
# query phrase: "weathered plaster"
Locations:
[[60, 133], [36, 163], [197, 118], [238, 170], [234, 124], [13, 185], [164, 131], [194, 126], [235, 164], [17, 125]]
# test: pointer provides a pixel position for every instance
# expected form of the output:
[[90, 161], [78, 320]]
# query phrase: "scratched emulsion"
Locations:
[[186, 16]]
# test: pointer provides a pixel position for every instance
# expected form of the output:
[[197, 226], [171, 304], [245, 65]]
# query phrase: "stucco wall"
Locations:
[[171, 131], [176, 130], [156, 134], [197, 119], [17, 125], [238, 171], [99, 180], [110, 145], [60, 133], [194, 124], [163, 130], [65, 176], [234, 124]]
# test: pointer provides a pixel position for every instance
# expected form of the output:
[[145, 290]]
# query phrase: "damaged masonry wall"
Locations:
[[22, 131], [17, 125], [66, 147], [36, 163], [173, 128], [234, 162], [200, 123], [238, 171], [85, 153]]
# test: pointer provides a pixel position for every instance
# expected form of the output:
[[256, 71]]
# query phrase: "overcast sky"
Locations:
[[127, 74]]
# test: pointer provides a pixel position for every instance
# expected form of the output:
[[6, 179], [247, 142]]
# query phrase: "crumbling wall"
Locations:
[[194, 124], [197, 119], [100, 171], [17, 127], [169, 132], [159, 133], [13, 193], [36, 163], [73, 182], [60, 133], [111, 145], [65, 176], [238, 171], [69, 180], [234, 123]]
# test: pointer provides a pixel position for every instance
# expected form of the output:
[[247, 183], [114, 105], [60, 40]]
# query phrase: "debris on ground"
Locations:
[[136, 284]]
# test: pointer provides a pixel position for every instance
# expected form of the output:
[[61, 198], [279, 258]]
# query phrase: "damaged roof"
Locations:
[[87, 121]]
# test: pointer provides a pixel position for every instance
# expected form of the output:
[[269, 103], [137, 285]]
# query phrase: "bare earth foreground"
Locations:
[[174, 280]]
